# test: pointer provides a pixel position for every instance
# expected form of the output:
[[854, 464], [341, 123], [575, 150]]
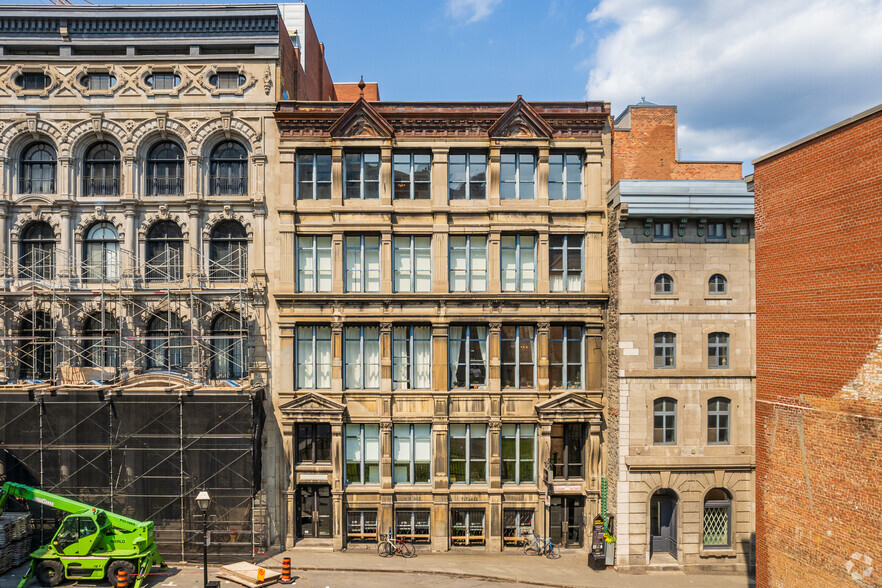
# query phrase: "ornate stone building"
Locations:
[[438, 309]]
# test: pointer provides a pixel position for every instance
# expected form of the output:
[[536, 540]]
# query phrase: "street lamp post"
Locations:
[[203, 501]]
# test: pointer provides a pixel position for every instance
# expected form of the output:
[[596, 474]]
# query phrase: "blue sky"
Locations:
[[747, 76]]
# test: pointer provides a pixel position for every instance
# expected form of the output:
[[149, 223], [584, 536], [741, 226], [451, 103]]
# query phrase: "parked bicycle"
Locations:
[[540, 546], [390, 545]]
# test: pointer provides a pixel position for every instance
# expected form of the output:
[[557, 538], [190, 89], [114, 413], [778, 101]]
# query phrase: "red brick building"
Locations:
[[819, 358]]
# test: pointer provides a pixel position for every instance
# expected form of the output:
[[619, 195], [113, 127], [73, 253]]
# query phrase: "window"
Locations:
[[37, 259], [362, 263], [101, 250], [228, 335], [664, 421], [517, 176], [716, 230], [313, 357], [228, 169], [467, 356], [313, 442], [516, 524], [165, 170], [38, 170], [718, 421], [361, 526], [467, 176], [413, 525], [101, 170], [362, 454], [718, 350], [518, 263], [412, 176], [565, 263], [518, 453], [226, 80], [664, 350], [564, 176], [716, 285], [101, 341], [163, 81], [518, 355], [567, 443], [228, 253], [566, 355], [33, 81], [314, 176], [664, 285], [101, 81], [717, 525], [467, 526], [35, 349], [468, 263], [166, 345], [411, 358], [314, 264], [165, 253], [663, 230], [361, 357], [412, 264], [412, 454], [468, 454], [361, 173]]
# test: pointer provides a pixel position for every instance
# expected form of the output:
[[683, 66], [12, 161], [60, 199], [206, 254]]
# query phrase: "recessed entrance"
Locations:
[[315, 511], [663, 524], [566, 520]]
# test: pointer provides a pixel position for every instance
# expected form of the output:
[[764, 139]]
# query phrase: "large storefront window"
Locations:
[[361, 526], [517, 525], [412, 525], [467, 526]]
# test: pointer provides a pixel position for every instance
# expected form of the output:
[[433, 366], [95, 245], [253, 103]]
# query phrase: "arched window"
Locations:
[[228, 254], [101, 251], [35, 351], [165, 170], [165, 343], [718, 421], [38, 170], [101, 170], [228, 335], [165, 253], [228, 169], [717, 523], [37, 256], [718, 350], [664, 284], [716, 285], [664, 421], [101, 341]]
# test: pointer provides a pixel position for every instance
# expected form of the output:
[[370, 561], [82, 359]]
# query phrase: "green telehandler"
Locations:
[[90, 544]]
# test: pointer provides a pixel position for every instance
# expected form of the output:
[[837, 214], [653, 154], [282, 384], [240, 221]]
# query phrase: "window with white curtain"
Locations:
[[565, 263], [313, 357], [468, 454], [314, 264], [467, 356], [362, 263], [412, 264], [361, 357], [468, 263], [518, 263], [362, 446], [412, 453], [411, 358], [518, 356]]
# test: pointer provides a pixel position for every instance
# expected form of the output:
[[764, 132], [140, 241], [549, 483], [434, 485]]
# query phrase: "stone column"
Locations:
[[439, 177], [386, 175], [440, 248], [595, 194], [129, 265], [259, 241], [127, 179], [4, 245], [339, 268], [336, 356], [494, 261], [439, 357], [65, 254], [191, 188], [338, 464], [386, 263], [542, 177], [385, 357], [440, 521], [284, 378], [542, 367], [193, 268], [494, 359], [493, 173], [386, 456], [494, 467], [543, 261], [337, 177]]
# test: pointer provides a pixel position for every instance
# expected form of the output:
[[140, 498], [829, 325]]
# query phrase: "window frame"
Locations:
[[91, 164], [664, 352], [240, 80], [361, 535], [236, 348], [719, 420], [174, 185], [467, 182], [165, 343], [412, 186], [564, 359], [361, 284], [663, 285], [468, 526], [36, 333], [231, 247], [409, 515], [101, 341], [27, 166], [363, 462], [713, 285], [410, 340], [412, 461], [88, 79], [155, 245], [517, 365], [315, 364], [659, 232], [312, 437], [471, 277], [564, 272], [108, 248], [517, 183], [363, 366], [37, 239], [668, 416], [718, 351], [568, 432], [716, 237], [237, 184], [413, 253], [150, 80], [709, 504], [565, 182], [362, 182], [468, 459], [316, 185], [26, 78], [453, 366], [517, 459], [518, 535], [315, 249], [521, 285]]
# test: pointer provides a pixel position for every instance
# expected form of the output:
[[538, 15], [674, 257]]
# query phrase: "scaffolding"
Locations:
[[132, 391]]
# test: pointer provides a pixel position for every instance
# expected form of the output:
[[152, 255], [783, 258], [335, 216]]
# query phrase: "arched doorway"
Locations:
[[663, 524]]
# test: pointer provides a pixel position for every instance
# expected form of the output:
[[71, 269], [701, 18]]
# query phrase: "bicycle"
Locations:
[[540, 546], [393, 546]]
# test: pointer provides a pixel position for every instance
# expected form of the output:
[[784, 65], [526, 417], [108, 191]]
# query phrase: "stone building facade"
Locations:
[[438, 307], [681, 352]]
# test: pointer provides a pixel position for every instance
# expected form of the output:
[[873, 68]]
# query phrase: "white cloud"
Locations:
[[580, 38], [469, 11], [747, 76]]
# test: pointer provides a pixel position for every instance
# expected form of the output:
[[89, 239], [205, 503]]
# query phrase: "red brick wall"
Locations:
[[289, 64], [819, 366], [649, 151]]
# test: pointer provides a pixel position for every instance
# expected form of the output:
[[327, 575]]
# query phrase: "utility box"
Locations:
[[597, 555]]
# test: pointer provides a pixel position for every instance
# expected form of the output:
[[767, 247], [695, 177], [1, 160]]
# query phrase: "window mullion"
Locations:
[[412, 456]]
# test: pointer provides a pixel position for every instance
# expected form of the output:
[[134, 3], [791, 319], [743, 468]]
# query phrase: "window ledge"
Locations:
[[664, 297], [717, 297], [722, 552]]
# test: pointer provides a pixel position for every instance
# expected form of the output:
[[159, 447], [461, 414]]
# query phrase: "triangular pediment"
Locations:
[[521, 121], [361, 120], [568, 403], [312, 403]]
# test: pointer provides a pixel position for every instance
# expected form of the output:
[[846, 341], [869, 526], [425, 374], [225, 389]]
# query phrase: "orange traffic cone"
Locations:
[[286, 571]]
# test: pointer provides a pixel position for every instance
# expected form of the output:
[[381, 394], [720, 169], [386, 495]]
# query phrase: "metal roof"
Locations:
[[729, 198]]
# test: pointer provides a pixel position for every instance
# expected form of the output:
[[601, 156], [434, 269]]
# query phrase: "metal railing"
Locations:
[[100, 186], [38, 186], [165, 266], [165, 186], [229, 186]]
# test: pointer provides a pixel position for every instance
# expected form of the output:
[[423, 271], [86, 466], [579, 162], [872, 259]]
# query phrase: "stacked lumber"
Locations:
[[249, 575], [16, 530]]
